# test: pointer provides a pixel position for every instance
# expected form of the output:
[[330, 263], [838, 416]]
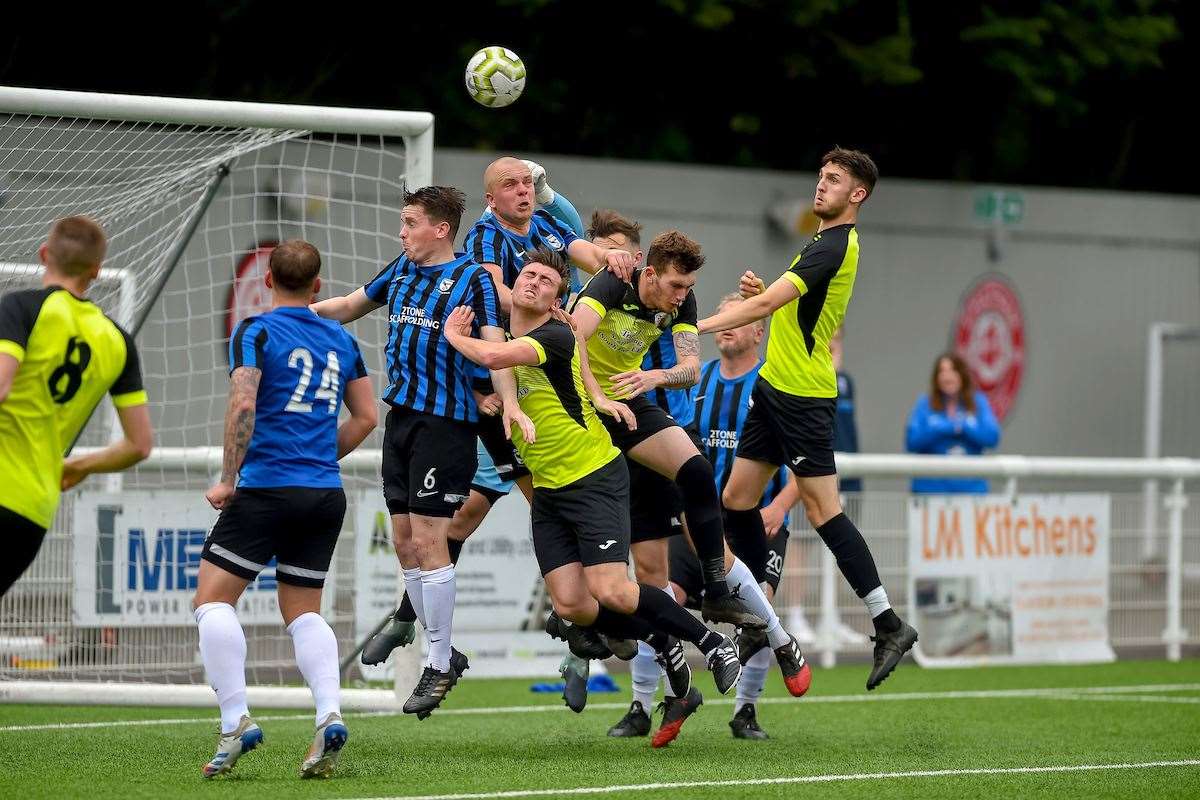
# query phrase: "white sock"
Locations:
[[877, 602], [412, 585], [645, 672], [437, 586], [223, 651], [317, 657], [752, 595], [754, 678]]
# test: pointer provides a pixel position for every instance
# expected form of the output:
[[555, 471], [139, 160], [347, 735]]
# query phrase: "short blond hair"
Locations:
[[76, 244]]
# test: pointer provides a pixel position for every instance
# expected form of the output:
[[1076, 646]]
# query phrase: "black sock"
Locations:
[[667, 616], [886, 622], [406, 612], [747, 530], [621, 626], [853, 556], [703, 509]]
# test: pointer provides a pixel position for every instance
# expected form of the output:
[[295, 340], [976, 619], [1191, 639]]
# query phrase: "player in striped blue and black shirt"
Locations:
[[429, 438]]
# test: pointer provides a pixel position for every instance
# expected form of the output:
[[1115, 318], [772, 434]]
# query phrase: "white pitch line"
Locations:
[[1062, 693], [861, 776], [1129, 698], [126, 723]]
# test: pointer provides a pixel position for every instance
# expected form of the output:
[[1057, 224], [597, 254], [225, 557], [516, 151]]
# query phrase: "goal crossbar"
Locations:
[[187, 111]]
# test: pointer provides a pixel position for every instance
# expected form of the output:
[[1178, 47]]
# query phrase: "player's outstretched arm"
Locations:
[[498, 356], [505, 382], [686, 371], [239, 428], [600, 400], [495, 354], [346, 309], [503, 293], [135, 445], [592, 258], [364, 415], [683, 375], [752, 309], [586, 321]]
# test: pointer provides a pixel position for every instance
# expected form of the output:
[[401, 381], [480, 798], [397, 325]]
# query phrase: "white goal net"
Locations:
[[192, 194]]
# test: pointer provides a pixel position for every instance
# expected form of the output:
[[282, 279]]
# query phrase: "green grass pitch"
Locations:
[[965, 725]]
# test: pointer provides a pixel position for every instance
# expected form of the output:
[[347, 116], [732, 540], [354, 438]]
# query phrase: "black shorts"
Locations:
[[503, 450], [428, 463], [22, 540], [655, 505], [650, 420], [297, 525], [783, 428], [585, 521], [684, 567]]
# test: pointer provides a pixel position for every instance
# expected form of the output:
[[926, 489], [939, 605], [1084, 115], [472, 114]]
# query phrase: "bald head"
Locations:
[[508, 190], [506, 167]]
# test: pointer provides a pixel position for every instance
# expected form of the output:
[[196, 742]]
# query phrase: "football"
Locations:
[[495, 76]]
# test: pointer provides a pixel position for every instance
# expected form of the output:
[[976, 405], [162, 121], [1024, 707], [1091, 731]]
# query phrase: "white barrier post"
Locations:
[[1174, 635], [827, 629]]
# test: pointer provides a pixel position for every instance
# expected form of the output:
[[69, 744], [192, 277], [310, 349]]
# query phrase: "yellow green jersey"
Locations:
[[798, 359], [571, 441], [69, 355], [627, 327]]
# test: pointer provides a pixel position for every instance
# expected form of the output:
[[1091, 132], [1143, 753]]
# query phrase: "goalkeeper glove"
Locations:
[[541, 187]]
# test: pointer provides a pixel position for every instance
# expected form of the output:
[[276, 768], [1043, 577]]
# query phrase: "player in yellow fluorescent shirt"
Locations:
[[795, 399], [59, 355]]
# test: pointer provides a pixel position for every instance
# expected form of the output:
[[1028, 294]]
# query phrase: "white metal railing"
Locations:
[[850, 465], [1010, 468]]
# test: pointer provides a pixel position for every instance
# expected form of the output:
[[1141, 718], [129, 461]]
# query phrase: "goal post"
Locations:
[[193, 194]]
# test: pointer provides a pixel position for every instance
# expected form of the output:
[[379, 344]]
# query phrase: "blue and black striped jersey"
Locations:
[[676, 402], [306, 363], [721, 405], [425, 373], [489, 242]]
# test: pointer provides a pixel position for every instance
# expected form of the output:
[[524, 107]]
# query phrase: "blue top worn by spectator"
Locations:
[[952, 419]]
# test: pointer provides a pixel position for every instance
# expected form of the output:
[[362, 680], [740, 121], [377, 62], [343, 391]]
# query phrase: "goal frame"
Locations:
[[415, 128]]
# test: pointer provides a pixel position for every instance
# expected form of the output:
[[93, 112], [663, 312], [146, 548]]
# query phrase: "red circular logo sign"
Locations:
[[990, 336], [249, 294]]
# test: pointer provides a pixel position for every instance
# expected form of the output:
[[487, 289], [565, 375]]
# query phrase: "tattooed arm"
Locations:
[[686, 371], [239, 428], [684, 374]]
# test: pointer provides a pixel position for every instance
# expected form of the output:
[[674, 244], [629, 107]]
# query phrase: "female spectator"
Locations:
[[953, 419]]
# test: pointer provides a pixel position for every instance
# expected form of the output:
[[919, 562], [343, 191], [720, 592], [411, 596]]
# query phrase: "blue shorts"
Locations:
[[487, 480]]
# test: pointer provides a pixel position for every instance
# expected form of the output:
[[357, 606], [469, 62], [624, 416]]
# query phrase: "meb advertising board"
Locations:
[[137, 558], [999, 580]]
